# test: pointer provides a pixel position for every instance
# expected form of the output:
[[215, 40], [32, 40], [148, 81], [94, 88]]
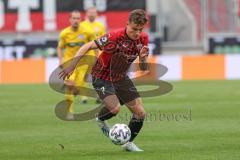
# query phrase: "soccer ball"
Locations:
[[120, 134]]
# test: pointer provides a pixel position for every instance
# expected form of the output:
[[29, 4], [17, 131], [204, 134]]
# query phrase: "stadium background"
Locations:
[[197, 40]]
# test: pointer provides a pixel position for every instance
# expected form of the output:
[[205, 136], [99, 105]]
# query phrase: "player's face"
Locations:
[[75, 19], [92, 14], [134, 30]]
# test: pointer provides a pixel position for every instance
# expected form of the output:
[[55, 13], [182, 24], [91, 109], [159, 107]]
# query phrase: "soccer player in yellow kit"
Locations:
[[91, 22], [70, 40], [97, 27]]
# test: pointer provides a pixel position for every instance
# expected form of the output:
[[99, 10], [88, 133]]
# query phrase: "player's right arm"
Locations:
[[99, 43], [60, 47], [81, 52], [59, 54]]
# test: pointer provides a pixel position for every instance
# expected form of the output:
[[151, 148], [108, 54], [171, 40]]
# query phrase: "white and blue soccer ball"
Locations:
[[120, 134]]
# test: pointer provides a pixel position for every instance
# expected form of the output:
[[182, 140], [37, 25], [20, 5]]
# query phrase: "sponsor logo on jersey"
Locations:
[[75, 44]]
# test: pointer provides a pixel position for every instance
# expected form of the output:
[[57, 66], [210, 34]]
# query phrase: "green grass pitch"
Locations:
[[198, 120]]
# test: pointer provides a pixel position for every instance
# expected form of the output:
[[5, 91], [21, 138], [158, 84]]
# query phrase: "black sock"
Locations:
[[105, 114], [135, 126]]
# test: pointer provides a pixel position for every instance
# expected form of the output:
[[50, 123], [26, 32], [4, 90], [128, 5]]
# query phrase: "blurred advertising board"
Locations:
[[223, 43], [53, 15], [27, 49], [43, 48]]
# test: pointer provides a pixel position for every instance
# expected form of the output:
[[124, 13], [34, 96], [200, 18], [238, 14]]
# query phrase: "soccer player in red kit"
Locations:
[[109, 74]]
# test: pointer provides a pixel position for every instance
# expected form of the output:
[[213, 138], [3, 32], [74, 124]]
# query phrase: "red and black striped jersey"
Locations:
[[118, 53]]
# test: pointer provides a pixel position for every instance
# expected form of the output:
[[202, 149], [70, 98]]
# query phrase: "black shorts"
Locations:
[[124, 89]]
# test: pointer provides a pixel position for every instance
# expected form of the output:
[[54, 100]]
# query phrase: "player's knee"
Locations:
[[143, 115], [71, 88], [115, 110], [140, 114]]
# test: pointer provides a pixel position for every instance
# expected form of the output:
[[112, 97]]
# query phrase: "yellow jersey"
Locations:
[[71, 40], [97, 27]]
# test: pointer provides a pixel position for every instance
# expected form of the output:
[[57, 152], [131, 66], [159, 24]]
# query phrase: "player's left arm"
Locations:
[[143, 58], [143, 54]]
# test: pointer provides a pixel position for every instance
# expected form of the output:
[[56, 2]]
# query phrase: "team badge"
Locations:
[[80, 36]]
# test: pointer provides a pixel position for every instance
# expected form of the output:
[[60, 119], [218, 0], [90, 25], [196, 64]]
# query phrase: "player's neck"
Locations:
[[129, 36], [74, 28], [91, 21]]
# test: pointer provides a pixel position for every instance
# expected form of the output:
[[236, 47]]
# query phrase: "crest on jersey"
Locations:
[[80, 36]]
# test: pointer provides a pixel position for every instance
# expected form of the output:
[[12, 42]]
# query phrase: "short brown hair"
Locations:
[[138, 17], [74, 11]]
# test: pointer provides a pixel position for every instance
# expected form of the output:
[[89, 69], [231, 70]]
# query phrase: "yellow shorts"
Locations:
[[83, 68]]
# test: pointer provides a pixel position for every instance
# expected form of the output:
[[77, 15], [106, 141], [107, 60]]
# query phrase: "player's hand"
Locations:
[[144, 52], [66, 72]]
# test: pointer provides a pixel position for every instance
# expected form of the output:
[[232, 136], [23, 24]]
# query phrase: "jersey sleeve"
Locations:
[[61, 42], [107, 42]]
